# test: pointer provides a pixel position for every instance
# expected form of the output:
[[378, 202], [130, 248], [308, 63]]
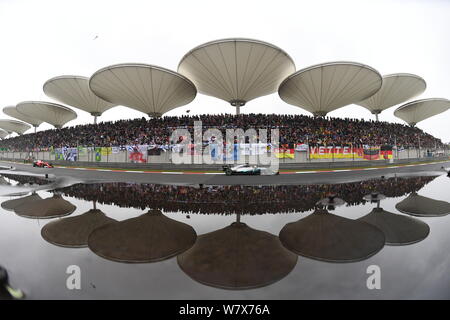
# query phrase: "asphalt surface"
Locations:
[[343, 176]]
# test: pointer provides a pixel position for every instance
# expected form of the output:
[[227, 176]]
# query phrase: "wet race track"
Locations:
[[173, 236]]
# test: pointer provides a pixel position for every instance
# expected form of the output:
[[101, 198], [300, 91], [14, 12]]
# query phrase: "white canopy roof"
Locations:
[[416, 111], [236, 70], [325, 87], [75, 91], [149, 89], [14, 126], [52, 113], [3, 134], [396, 88], [12, 112]]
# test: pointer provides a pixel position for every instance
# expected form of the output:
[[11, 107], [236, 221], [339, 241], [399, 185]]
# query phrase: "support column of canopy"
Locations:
[[376, 113], [95, 115], [154, 115], [319, 114], [238, 104]]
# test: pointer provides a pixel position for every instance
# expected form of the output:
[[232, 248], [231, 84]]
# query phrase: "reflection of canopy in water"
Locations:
[[328, 237], [415, 111], [417, 205], [236, 70], [46, 208], [325, 87], [237, 257], [146, 88], [10, 205], [147, 238], [74, 231], [398, 229]]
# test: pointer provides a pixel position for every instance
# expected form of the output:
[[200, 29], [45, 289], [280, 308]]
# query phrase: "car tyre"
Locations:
[[228, 172]]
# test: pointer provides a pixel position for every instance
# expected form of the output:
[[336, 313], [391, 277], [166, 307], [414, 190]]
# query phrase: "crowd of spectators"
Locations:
[[294, 129], [237, 198]]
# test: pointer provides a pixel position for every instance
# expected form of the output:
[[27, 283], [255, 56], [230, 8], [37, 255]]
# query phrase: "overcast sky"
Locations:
[[42, 39]]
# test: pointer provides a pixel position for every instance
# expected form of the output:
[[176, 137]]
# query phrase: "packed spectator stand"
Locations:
[[294, 129]]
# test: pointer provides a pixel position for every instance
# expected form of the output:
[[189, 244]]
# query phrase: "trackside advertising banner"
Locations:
[[138, 153], [360, 153], [67, 154], [282, 153]]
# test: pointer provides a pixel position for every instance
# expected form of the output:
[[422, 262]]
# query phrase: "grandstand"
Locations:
[[294, 129], [235, 70]]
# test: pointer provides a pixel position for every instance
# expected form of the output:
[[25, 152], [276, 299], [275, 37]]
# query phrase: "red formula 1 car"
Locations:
[[42, 164]]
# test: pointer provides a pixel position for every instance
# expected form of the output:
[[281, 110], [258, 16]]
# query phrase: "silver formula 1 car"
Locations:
[[246, 169]]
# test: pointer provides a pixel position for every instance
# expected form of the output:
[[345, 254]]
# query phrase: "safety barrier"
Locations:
[[123, 157]]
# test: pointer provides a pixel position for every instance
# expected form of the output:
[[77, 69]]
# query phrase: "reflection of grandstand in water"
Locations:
[[10, 126], [74, 231], [237, 257], [46, 208], [417, 205], [25, 179], [398, 229], [331, 201], [328, 237], [150, 237], [238, 199]]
